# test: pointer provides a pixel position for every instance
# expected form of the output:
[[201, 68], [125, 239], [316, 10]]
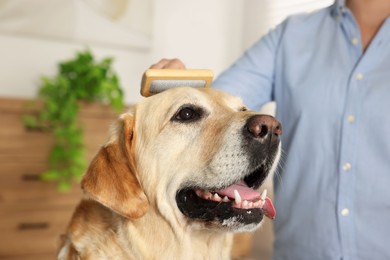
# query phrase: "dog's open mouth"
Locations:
[[241, 197], [239, 204]]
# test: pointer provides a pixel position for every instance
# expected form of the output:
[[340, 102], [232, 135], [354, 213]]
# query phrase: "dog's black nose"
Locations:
[[263, 127]]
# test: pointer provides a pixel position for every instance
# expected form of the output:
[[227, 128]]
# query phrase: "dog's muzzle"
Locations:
[[238, 206]]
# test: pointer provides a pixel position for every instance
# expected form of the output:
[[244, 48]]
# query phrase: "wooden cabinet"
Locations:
[[33, 213]]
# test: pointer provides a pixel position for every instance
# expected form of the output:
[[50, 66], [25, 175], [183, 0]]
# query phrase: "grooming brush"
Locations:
[[157, 80]]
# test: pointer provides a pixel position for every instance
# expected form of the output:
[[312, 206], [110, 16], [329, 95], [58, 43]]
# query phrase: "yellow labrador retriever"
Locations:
[[177, 176]]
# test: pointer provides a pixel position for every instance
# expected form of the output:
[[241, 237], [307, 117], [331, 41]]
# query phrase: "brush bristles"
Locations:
[[158, 86]]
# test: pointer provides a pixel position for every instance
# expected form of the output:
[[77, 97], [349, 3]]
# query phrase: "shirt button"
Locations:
[[345, 212], [354, 41], [359, 76], [351, 118], [346, 166]]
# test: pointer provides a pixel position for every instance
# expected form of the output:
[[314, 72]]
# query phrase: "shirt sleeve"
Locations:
[[251, 77]]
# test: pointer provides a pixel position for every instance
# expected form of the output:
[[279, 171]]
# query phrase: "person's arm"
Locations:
[[252, 76]]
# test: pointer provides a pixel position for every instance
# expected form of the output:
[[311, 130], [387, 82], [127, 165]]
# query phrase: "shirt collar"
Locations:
[[338, 8]]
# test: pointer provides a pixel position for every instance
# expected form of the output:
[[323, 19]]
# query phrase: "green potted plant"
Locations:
[[80, 79]]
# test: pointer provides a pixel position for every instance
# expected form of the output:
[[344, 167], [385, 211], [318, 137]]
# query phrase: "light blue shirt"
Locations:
[[333, 187]]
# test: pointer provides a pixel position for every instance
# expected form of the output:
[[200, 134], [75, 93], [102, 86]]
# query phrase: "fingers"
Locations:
[[161, 64], [168, 64]]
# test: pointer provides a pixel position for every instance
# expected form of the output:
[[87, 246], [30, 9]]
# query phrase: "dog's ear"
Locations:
[[111, 178]]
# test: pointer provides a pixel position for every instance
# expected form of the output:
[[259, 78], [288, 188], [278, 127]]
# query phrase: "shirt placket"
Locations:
[[349, 138]]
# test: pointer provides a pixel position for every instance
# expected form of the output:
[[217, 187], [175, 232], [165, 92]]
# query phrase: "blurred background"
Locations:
[[36, 36]]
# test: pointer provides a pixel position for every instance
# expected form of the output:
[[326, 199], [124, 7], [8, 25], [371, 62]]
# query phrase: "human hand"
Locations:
[[169, 64]]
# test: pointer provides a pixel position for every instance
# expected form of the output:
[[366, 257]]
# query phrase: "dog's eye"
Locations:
[[243, 109], [186, 114]]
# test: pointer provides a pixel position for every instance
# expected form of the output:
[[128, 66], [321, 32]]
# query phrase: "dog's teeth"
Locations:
[[237, 197], [216, 197], [199, 193], [208, 195], [262, 198], [225, 199], [250, 205], [259, 204], [262, 204], [263, 195], [245, 204]]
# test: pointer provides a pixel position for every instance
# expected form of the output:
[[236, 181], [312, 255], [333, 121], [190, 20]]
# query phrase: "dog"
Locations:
[[177, 176]]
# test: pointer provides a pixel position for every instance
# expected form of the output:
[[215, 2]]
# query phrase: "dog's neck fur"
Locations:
[[144, 238], [151, 235]]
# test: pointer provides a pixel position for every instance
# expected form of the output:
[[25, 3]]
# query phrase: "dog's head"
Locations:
[[196, 156]]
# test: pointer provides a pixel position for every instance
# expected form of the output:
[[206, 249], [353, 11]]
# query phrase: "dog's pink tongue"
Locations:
[[269, 209], [246, 193]]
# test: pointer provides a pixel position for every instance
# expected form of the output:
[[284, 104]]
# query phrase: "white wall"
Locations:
[[260, 16], [203, 33], [256, 24]]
